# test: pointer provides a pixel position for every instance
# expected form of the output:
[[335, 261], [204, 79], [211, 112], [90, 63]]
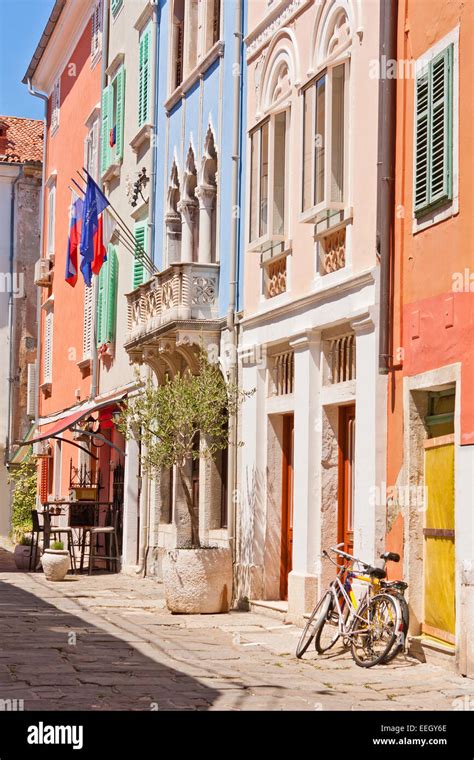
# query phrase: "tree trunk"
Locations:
[[192, 513]]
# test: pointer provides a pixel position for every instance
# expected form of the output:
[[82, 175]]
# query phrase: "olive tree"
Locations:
[[183, 419]]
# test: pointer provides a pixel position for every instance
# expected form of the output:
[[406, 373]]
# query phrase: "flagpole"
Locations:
[[120, 222], [126, 241]]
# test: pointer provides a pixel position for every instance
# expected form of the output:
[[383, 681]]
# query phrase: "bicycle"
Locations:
[[370, 627]]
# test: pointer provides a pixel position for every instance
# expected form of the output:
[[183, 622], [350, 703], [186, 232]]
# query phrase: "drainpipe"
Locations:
[[386, 174], [103, 84], [154, 121], [10, 318], [234, 249], [45, 99]]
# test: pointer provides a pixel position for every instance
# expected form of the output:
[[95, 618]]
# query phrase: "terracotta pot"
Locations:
[[198, 581], [55, 564], [21, 555]]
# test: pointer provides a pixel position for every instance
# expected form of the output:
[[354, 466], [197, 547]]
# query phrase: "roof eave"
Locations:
[[45, 37]]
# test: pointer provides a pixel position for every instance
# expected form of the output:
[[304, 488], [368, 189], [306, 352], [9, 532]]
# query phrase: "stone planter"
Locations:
[[198, 581], [21, 555], [55, 564]]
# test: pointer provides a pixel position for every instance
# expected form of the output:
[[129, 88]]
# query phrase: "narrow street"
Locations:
[[107, 642]]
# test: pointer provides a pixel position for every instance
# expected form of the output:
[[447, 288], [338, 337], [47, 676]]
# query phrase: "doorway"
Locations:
[[286, 503], [346, 441]]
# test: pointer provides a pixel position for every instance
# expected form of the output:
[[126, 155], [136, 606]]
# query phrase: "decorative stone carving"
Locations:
[[275, 277], [286, 14], [204, 290], [333, 251]]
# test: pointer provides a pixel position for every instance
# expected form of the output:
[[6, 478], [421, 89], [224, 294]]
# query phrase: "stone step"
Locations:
[[272, 608], [431, 651]]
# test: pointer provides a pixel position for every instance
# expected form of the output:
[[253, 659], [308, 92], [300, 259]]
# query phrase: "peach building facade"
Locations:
[[315, 428], [430, 411]]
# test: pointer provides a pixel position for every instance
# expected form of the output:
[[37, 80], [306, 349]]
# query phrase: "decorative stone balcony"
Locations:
[[182, 293]]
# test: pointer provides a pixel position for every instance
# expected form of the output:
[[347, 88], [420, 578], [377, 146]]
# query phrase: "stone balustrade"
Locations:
[[182, 292]]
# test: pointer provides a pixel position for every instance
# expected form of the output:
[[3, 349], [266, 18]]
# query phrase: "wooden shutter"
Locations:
[[144, 77], [433, 133], [104, 136], [87, 328], [440, 126], [141, 230], [48, 347], [111, 298], [422, 141], [31, 390], [119, 112], [96, 39], [101, 304]]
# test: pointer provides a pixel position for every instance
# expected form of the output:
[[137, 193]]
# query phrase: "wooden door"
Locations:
[[439, 618], [286, 504], [346, 477]]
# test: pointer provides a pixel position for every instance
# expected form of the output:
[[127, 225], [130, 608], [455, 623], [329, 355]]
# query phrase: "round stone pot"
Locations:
[[198, 581], [55, 564], [21, 555]]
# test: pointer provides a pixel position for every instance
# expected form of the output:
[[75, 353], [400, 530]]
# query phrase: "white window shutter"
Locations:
[[88, 326], [48, 347], [31, 390], [96, 38]]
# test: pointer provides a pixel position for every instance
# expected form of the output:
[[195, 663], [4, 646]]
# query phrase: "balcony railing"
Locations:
[[182, 292]]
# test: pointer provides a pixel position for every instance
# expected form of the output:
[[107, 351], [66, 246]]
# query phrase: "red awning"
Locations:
[[59, 426]]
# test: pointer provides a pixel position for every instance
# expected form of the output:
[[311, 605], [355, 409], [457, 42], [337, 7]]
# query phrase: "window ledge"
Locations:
[[216, 51], [115, 64], [143, 135], [113, 170], [84, 364], [49, 303]]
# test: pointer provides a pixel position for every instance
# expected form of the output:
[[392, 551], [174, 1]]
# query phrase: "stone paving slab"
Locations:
[[130, 653]]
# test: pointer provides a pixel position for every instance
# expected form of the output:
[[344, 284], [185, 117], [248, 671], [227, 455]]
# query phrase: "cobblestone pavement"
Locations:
[[107, 642]]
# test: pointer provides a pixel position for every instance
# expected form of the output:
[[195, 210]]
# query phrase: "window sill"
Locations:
[[143, 135], [85, 364], [266, 243], [216, 51], [113, 170], [325, 212], [435, 216]]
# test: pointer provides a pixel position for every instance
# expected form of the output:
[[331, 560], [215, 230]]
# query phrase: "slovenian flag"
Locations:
[[95, 203], [73, 240]]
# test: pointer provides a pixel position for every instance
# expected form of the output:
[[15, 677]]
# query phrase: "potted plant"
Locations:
[[168, 420], [24, 479], [55, 561]]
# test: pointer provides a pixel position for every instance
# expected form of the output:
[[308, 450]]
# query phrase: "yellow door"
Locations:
[[439, 618]]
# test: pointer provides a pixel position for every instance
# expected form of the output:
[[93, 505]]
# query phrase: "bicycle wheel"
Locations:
[[328, 631], [311, 627], [399, 643], [375, 630]]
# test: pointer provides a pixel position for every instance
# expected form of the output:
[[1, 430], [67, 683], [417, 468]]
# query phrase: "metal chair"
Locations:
[[56, 530], [83, 516]]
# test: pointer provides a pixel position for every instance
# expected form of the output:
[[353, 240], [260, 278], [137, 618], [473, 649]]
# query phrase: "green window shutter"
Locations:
[[422, 142], [104, 133], [433, 133], [111, 301], [116, 5], [144, 78], [141, 234], [441, 126], [119, 112], [101, 304]]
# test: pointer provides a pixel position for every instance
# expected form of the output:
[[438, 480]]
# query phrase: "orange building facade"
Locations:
[[430, 467], [68, 71]]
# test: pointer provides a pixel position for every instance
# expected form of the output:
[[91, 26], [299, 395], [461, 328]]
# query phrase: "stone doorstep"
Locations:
[[272, 608], [432, 652]]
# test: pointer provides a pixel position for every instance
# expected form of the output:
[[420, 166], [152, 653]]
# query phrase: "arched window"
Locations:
[[325, 119]]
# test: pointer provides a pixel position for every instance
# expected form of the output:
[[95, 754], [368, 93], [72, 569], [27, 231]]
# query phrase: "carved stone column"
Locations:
[[173, 233], [207, 202], [188, 210]]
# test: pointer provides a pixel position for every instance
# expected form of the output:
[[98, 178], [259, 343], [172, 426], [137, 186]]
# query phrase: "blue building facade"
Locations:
[[195, 237]]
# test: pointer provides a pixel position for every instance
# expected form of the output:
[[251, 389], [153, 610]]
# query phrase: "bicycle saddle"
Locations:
[[390, 557]]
